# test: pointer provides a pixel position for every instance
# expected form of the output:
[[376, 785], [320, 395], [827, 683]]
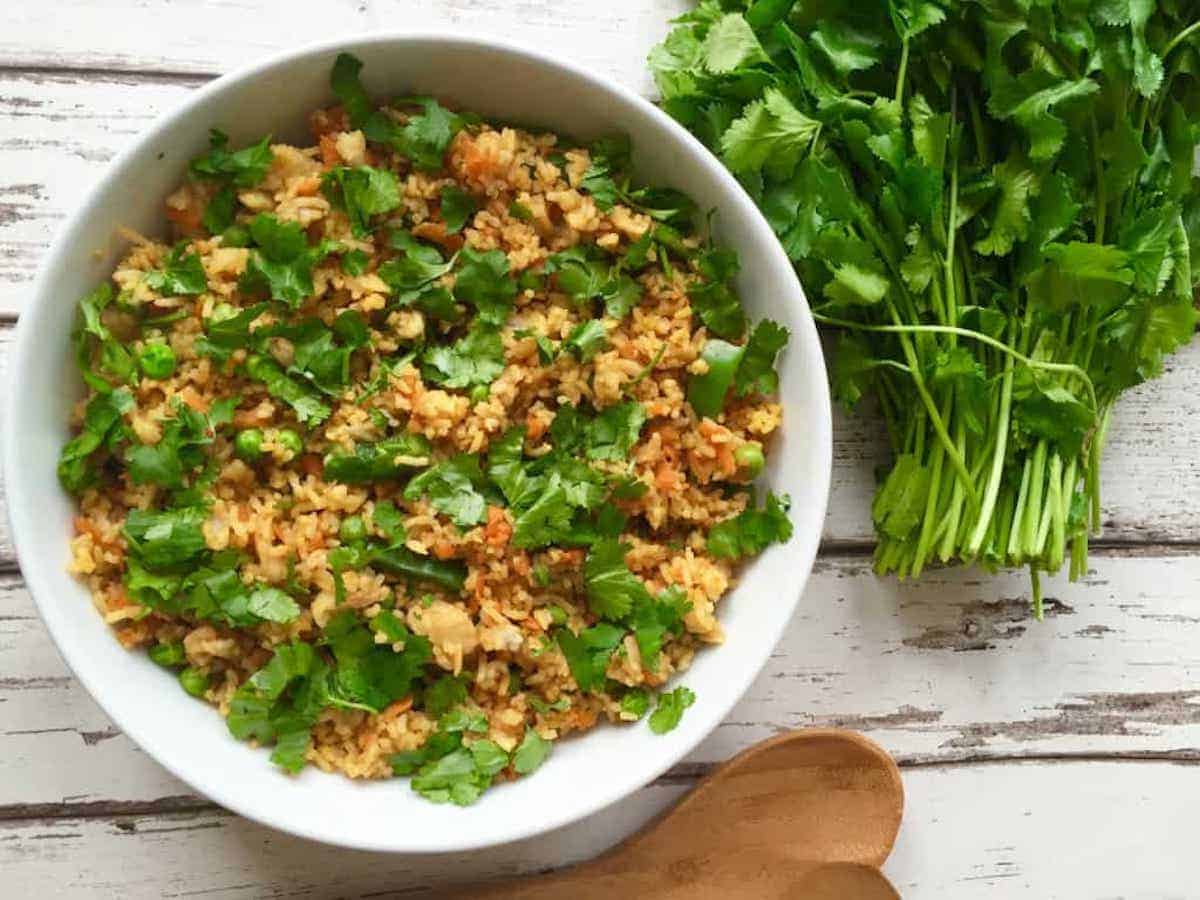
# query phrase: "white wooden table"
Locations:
[[1041, 760]]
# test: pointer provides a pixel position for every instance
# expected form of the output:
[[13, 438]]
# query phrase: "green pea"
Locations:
[[749, 457], [479, 393], [167, 655], [193, 681], [352, 530], [157, 361], [289, 440], [248, 444]]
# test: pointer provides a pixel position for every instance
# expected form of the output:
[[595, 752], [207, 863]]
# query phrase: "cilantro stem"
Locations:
[[903, 71], [1065, 368], [1180, 38]]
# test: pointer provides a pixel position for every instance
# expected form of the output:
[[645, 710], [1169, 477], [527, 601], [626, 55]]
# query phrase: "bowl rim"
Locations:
[[20, 502]]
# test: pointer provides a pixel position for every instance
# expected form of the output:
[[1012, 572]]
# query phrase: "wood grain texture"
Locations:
[[938, 673], [817, 812], [1039, 759], [1042, 829], [196, 38]]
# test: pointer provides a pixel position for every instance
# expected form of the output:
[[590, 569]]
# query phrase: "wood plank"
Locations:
[[945, 671], [213, 36], [1023, 837]]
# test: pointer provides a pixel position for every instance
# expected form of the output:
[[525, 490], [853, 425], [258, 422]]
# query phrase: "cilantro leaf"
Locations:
[[530, 753], [477, 358], [243, 168], [303, 400], [588, 652], [165, 539], [714, 299], [181, 274], [755, 372], [669, 711], [453, 488], [77, 463], [587, 339], [457, 208], [282, 263], [483, 280], [751, 531], [343, 80], [363, 192], [612, 434], [612, 590]]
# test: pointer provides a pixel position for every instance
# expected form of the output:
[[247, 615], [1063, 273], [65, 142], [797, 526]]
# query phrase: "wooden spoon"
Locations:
[[809, 814]]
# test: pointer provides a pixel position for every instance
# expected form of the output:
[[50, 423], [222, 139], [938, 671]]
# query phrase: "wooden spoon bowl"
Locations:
[[808, 814]]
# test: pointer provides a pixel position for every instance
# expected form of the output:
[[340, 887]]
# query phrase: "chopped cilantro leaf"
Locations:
[[588, 652], [181, 274], [244, 168], [634, 704], [530, 753], [669, 711], [483, 280], [477, 358], [751, 531], [612, 434], [282, 262], [303, 400], [76, 463], [756, 373], [162, 540], [453, 489], [363, 192], [612, 590], [355, 262], [457, 208], [587, 339]]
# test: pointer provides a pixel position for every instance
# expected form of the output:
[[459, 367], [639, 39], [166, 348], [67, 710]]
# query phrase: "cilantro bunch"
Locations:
[[991, 204]]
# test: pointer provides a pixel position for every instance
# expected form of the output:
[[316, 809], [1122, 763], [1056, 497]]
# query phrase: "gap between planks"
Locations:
[[834, 550], [680, 776]]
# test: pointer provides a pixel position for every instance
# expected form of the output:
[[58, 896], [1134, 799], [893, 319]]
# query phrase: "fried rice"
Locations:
[[393, 453]]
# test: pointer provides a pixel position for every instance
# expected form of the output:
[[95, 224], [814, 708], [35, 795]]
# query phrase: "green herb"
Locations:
[[282, 261], [462, 776], [483, 280], [609, 158], [541, 577], [355, 262], [380, 461], [218, 215], [669, 710], [751, 531], [755, 372], [281, 702], [453, 488], [102, 360], [477, 358], [587, 339], [244, 168], [530, 753], [612, 434], [634, 704], [562, 704], [101, 422], [713, 298], [181, 274], [180, 449], [162, 540], [363, 192], [389, 522], [228, 330], [520, 211], [457, 208], [585, 273], [444, 694], [370, 675], [994, 206], [588, 652], [612, 589], [302, 398]]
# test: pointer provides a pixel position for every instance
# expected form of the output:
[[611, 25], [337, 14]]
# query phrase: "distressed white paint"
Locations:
[[1109, 676], [1035, 829]]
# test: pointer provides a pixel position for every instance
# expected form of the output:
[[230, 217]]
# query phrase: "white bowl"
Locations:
[[585, 773]]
